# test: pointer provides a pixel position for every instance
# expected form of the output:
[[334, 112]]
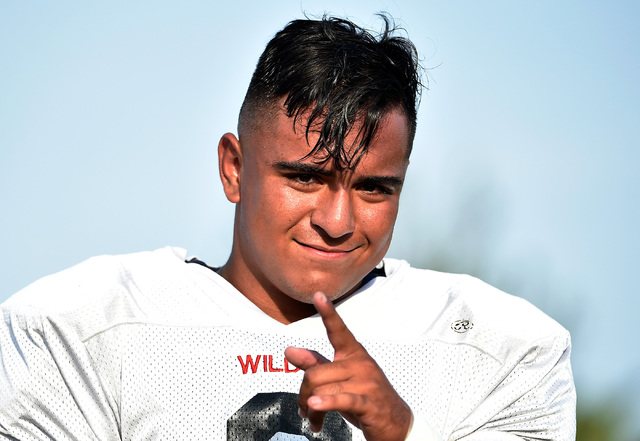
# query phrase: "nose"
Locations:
[[334, 214]]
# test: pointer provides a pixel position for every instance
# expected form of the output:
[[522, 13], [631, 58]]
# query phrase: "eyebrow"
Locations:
[[385, 181], [302, 167]]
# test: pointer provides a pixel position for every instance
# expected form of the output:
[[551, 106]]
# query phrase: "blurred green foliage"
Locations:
[[606, 420]]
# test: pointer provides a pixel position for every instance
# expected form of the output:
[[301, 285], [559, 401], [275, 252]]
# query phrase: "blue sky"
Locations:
[[524, 169]]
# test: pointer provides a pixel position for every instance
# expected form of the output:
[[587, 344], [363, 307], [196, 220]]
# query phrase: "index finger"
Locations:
[[340, 336]]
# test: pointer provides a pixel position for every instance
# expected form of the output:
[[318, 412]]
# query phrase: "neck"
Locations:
[[273, 302]]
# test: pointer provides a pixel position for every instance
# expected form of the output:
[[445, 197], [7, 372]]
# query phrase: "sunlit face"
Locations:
[[301, 227]]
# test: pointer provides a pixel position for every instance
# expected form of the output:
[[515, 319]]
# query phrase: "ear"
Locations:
[[230, 164]]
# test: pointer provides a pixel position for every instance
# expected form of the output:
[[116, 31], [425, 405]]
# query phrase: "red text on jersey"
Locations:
[[264, 363]]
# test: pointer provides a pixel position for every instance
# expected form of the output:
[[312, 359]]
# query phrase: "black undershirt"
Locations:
[[378, 271]]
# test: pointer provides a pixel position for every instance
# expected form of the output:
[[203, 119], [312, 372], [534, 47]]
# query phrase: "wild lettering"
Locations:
[[264, 363]]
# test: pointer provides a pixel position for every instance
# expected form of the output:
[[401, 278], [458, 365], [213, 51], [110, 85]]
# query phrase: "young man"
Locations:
[[307, 332]]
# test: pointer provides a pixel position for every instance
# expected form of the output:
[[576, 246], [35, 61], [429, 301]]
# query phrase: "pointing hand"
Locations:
[[352, 384]]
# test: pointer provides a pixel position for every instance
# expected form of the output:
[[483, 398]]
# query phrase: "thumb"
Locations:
[[304, 358]]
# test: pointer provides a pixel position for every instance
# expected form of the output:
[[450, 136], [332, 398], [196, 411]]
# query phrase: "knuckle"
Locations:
[[328, 389], [353, 401], [311, 377]]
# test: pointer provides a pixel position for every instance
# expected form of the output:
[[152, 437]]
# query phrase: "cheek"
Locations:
[[257, 210], [293, 205], [378, 220], [275, 206]]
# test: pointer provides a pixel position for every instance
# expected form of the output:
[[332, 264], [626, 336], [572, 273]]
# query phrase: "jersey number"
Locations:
[[274, 417]]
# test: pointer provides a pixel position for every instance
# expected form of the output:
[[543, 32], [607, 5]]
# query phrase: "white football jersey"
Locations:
[[146, 346]]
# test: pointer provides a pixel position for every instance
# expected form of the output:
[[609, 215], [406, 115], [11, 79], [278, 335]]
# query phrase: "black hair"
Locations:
[[331, 75]]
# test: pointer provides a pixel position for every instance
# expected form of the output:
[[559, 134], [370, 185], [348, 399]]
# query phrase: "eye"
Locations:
[[374, 189], [303, 180]]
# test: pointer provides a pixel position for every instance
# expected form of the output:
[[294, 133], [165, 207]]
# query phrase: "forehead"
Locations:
[[276, 138]]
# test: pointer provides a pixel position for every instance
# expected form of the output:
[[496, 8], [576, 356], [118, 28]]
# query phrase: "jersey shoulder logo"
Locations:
[[462, 326]]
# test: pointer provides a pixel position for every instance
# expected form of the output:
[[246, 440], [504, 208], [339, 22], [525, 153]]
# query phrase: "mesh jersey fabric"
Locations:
[[146, 346]]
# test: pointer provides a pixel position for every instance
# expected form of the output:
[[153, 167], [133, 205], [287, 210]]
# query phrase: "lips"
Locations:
[[323, 249]]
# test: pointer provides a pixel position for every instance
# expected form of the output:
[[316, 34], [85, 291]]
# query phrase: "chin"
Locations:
[[333, 293], [332, 282]]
